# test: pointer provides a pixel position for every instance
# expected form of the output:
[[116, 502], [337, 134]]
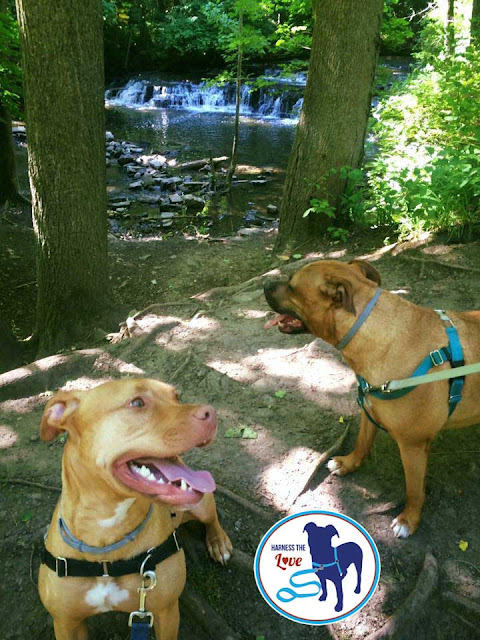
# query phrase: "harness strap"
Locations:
[[452, 354], [140, 631], [71, 567]]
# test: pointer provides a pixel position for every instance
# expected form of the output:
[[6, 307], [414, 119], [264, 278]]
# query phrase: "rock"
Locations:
[[194, 185], [135, 150], [245, 231], [262, 181], [156, 163], [125, 159], [109, 136], [135, 185], [147, 199], [166, 206], [167, 215], [19, 130], [138, 175], [147, 181], [193, 202], [116, 203], [175, 198], [272, 208]]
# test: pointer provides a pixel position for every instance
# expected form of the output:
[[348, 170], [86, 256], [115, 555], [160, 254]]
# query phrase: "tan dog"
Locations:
[[120, 464], [325, 298]]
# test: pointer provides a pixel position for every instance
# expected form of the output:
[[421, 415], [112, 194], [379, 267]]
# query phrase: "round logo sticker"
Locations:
[[317, 567]]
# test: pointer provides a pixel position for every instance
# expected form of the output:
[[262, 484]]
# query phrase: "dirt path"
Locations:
[[216, 350]]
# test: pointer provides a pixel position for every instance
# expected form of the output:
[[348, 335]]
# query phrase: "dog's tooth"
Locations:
[[144, 471], [151, 477], [183, 485]]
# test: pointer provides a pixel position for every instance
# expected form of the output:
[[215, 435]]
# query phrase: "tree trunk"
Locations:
[[334, 117], [450, 31], [238, 99], [8, 168], [62, 52], [475, 23], [10, 349]]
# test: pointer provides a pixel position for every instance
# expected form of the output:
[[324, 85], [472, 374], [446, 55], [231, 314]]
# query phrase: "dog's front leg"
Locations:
[[166, 622], [218, 543], [341, 465], [415, 459], [70, 630]]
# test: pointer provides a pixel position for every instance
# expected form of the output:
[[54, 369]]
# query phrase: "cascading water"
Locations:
[[277, 102]]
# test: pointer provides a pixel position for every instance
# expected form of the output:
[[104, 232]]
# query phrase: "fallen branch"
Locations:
[[245, 503], [381, 508], [29, 483], [198, 164], [198, 609], [181, 367], [321, 458], [442, 264], [415, 603]]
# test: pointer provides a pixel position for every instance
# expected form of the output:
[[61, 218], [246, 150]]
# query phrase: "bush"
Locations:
[[426, 174]]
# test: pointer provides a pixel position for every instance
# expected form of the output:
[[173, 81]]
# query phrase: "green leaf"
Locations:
[[26, 515], [233, 432], [281, 393], [249, 434]]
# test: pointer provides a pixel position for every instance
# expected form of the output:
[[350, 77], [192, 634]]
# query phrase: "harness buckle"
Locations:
[[437, 358], [141, 615], [57, 567]]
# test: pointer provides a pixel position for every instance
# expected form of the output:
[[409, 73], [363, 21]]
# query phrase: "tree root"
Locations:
[[246, 504], [184, 364], [195, 547], [460, 602], [386, 507], [415, 603], [320, 459], [440, 263], [198, 609]]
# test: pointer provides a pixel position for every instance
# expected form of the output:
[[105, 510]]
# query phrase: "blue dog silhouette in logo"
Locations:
[[332, 563]]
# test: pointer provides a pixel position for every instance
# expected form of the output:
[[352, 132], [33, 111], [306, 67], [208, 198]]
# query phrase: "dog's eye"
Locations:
[[137, 402]]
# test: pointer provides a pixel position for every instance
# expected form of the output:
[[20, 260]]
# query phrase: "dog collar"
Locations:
[[359, 321], [145, 561], [81, 546]]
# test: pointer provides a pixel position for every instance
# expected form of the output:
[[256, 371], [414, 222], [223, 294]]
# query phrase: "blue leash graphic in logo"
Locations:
[[342, 578]]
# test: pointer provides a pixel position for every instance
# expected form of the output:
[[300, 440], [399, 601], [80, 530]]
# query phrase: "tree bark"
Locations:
[[238, 100], [333, 122], [475, 23], [62, 53]]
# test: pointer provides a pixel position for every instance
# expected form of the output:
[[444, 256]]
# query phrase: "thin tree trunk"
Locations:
[[450, 32], [334, 117], [62, 53], [8, 169], [238, 100], [475, 23]]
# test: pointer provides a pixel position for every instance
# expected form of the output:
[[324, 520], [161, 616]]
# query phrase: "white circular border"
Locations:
[[303, 620]]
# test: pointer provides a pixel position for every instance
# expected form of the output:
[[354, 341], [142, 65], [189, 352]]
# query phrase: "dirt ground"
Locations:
[[213, 348]]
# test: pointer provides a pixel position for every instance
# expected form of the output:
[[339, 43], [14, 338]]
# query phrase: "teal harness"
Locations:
[[453, 353]]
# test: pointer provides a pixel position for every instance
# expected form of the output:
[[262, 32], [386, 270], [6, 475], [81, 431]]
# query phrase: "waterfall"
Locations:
[[279, 101]]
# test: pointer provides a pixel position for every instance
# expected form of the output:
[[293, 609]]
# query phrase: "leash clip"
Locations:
[[142, 613]]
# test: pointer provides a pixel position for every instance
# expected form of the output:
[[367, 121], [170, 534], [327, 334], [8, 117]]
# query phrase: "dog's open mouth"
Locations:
[[286, 324], [167, 479]]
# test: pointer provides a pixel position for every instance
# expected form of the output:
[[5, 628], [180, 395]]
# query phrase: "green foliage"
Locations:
[[10, 74], [426, 175], [397, 33]]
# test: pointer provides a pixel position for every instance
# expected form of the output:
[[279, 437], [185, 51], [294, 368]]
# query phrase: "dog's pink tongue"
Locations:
[[199, 480]]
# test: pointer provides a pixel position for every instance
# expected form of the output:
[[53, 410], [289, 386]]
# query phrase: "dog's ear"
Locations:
[[367, 270], [58, 413], [331, 530], [340, 290]]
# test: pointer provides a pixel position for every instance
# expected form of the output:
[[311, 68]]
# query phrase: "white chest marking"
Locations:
[[105, 596], [120, 513]]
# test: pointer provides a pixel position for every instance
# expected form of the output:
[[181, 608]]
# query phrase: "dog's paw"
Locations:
[[218, 544], [400, 530], [341, 465]]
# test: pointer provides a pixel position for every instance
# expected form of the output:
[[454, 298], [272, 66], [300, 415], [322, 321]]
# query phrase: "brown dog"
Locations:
[[121, 473], [325, 298]]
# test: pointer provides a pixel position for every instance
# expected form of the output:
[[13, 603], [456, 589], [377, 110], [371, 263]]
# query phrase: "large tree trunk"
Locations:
[[333, 121], [62, 52]]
